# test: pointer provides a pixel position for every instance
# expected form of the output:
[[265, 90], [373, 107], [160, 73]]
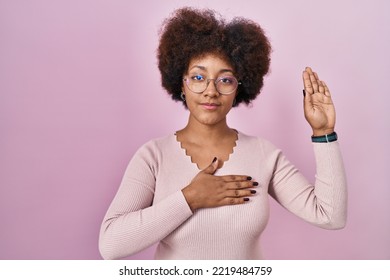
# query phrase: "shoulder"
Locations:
[[257, 142], [165, 142], [150, 154], [153, 148]]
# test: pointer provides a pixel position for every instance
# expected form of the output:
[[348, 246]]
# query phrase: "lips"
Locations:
[[210, 106]]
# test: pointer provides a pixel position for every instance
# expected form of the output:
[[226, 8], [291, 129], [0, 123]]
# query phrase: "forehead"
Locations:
[[210, 63]]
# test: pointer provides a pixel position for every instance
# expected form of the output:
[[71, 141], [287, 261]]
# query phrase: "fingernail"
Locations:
[[255, 183], [304, 93], [253, 191], [215, 159], [246, 199], [249, 178]]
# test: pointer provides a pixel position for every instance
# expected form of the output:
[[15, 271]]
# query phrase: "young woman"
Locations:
[[202, 192]]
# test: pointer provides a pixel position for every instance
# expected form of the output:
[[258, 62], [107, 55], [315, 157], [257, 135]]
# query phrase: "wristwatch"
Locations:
[[325, 138]]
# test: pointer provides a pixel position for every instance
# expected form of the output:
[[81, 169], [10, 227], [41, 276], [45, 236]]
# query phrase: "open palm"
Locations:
[[318, 105]]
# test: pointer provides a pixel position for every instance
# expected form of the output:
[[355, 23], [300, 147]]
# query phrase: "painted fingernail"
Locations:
[[249, 178], [304, 93], [246, 199], [255, 183], [253, 191]]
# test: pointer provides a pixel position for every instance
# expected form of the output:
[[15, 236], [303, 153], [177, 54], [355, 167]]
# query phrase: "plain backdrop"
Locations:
[[80, 92]]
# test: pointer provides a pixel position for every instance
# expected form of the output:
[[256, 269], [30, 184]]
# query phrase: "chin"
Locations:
[[209, 117], [210, 120]]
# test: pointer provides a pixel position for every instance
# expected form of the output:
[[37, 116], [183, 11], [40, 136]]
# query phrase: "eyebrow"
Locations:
[[204, 68]]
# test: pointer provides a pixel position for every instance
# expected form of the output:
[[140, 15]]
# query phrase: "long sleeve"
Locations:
[[133, 222], [323, 204], [150, 207]]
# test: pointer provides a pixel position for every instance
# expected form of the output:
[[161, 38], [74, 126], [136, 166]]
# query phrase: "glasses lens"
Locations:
[[226, 85], [197, 85]]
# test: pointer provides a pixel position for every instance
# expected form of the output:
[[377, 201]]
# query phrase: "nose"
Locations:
[[211, 89]]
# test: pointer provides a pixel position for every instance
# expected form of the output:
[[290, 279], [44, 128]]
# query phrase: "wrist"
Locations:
[[326, 138], [322, 132], [187, 193]]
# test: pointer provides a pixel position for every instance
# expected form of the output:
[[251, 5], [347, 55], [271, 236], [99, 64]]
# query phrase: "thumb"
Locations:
[[212, 167]]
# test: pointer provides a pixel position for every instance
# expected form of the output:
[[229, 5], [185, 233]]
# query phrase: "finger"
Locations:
[[212, 167], [235, 178], [321, 87], [240, 185], [314, 82], [326, 89], [234, 200], [308, 90], [307, 83], [239, 193], [319, 83], [309, 70]]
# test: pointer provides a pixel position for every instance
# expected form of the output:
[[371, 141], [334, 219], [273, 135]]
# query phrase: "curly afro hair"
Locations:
[[192, 33]]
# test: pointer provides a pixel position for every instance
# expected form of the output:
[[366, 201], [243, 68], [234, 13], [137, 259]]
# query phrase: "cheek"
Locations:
[[190, 101], [231, 100]]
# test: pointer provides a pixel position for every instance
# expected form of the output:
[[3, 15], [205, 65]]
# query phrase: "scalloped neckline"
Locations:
[[196, 164]]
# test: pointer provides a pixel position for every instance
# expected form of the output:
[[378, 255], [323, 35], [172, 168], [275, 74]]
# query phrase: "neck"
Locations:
[[199, 132]]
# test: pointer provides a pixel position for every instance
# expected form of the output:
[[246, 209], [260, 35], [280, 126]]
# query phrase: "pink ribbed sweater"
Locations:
[[149, 206]]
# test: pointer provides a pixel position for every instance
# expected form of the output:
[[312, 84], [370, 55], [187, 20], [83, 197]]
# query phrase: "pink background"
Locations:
[[80, 92]]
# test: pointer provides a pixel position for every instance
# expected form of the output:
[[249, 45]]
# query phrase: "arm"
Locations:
[[325, 203], [133, 222]]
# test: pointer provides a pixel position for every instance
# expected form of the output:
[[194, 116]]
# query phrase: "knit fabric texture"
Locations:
[[150, 207]]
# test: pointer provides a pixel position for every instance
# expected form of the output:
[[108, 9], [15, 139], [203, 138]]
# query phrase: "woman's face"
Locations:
[[209, 107]]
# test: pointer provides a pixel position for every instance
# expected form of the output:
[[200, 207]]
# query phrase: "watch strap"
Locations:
[[325, 138]]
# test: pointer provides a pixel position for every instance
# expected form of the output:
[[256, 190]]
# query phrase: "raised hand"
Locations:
[[207, 190], [318, 105]]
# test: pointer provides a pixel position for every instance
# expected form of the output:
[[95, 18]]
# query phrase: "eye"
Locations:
[[197, 78], [226, 80]]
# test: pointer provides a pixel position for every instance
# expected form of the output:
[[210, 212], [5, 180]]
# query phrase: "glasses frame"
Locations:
[[216, 81]]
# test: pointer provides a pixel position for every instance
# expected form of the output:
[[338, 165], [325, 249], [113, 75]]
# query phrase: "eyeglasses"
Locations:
[[224, 85]]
